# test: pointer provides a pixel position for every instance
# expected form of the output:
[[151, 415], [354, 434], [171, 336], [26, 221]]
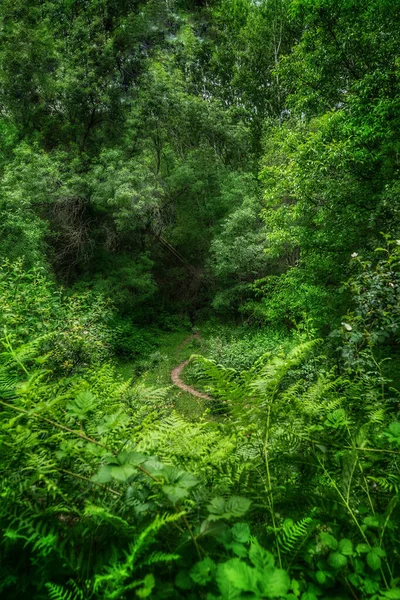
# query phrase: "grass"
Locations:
[[237, 348], [171, 352]]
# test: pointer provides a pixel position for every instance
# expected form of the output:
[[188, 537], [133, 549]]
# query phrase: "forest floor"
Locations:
[[170, 361], [176, 373]]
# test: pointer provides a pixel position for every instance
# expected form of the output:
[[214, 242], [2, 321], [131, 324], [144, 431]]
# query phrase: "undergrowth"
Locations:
[[291, 492]]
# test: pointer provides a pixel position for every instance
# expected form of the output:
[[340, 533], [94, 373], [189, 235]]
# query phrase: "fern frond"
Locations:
[[390, 483], [59, 592], [334, 404], [8, 382], [158, 557], [293, 534], [377, 415], [286, 441]]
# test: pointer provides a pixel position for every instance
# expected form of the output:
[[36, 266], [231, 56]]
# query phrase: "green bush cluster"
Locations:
[[78, 328]]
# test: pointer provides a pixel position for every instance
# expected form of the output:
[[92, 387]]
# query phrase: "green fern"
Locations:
[[119, 574], [8, 382], [293, 535], [59, 592], [390, 483]]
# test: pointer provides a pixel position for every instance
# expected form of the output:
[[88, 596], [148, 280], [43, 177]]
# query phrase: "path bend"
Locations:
[[176, 374]]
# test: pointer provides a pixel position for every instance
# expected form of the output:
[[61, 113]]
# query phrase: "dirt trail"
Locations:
[[176, 374]]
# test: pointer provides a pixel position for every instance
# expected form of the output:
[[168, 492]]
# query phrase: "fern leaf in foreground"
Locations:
[[59, 592], [293, 534]]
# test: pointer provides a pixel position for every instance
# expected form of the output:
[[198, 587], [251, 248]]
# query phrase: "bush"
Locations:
[[130, 341], [240, 347], [74, 329]]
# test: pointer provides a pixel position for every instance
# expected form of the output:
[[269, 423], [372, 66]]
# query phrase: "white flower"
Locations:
[[347, 326], [354, 255]]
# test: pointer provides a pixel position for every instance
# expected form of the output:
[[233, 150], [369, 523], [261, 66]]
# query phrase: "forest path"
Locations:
[[176, 374]]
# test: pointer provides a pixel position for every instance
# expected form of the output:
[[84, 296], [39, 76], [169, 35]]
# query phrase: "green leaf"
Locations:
[[123, 472], [362, 548], [393, 594], [203, 571], [226, 587], [234, 507], [328, 540], [131, 458], [187, 480], [370, 586], [213, 528], [82, 405], [354, 579], [240, 575], [321, 577], [217, 506], [149, 583], [241, 532], [345, 547], [103, 476], [373, 561], [237, 506], [336, 419], [111, 422], [372, 521], [260, 557], [378, 551], [174, 476], [393, 434], [337, 560], [295, 586], [275, 582], [174, 493], [238, 549], [183, 580]]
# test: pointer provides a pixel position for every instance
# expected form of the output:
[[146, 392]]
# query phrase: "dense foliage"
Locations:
[[228, 165]]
